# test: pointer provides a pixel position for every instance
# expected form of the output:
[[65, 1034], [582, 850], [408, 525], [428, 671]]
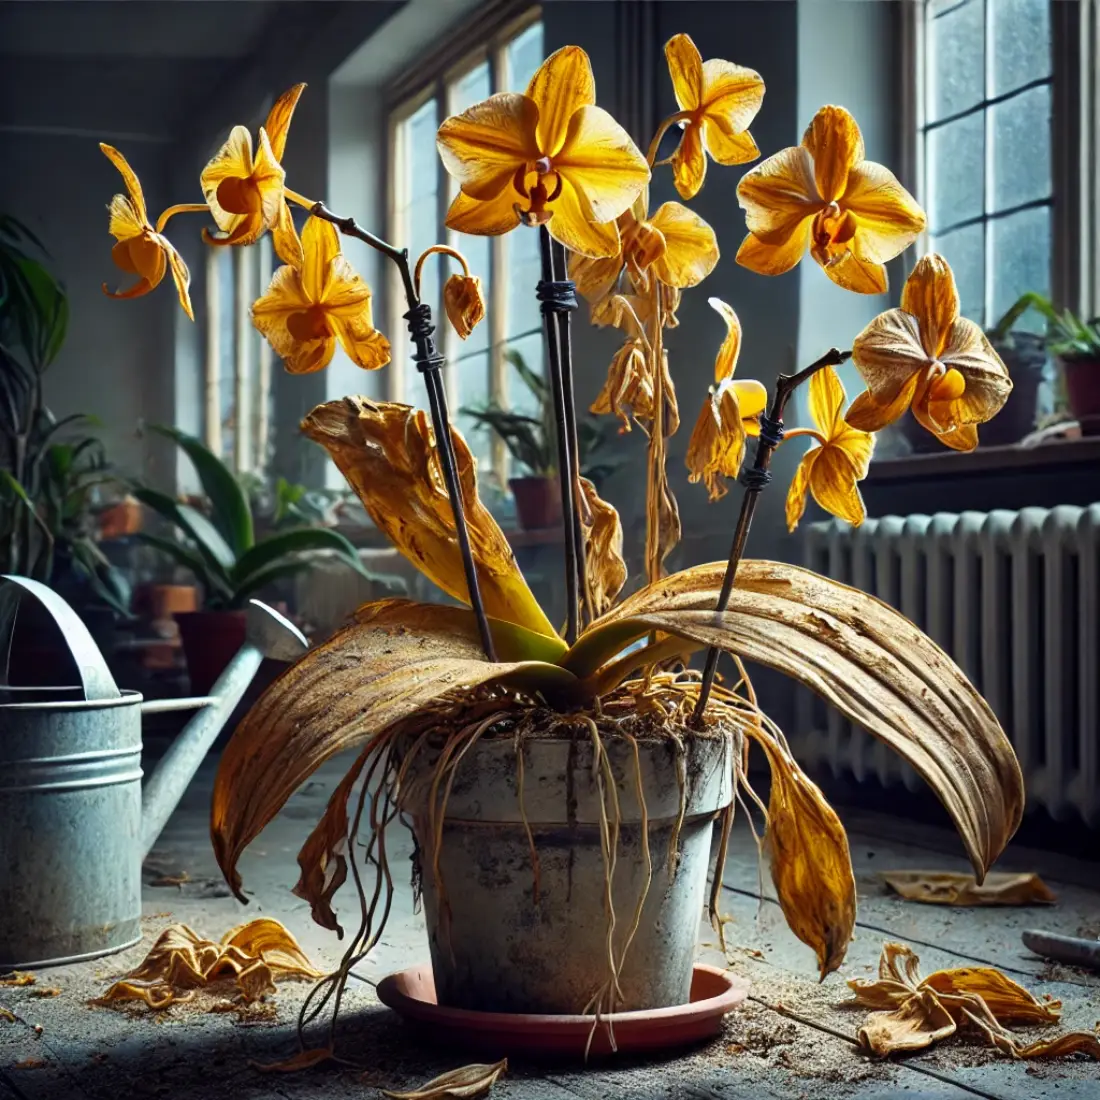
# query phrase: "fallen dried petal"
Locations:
[[458, 1084], [918, 1023], [18, 977], [949, 888], [47, 991], [302, 1060], [7, 1015], [1008, 1001]]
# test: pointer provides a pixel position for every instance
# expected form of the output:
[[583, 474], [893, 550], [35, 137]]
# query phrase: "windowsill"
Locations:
[[1055, 453]]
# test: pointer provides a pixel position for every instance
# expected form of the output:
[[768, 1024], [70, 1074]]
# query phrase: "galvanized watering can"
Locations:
[[75, 824]]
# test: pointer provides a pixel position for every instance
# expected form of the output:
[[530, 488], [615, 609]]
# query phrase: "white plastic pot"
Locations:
[[494, 946]]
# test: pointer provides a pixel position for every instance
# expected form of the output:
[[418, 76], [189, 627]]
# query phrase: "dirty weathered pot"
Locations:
[[496, 947], [538, 502]]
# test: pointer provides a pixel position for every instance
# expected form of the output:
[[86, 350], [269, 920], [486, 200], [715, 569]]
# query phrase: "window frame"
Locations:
[[1075, 139], [486, 37]]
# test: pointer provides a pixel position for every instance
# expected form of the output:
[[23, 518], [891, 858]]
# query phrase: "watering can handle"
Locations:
[[95, 678]]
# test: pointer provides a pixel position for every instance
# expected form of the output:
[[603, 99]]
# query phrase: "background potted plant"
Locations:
[[52, 471], [530, 441], [1075, 343], [218, 545]]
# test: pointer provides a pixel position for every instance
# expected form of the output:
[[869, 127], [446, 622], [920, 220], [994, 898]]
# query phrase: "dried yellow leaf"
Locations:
[[388, 454], [951, 888], [466, 1083], [810, 863], [396, 660], [919, 1012], [181, 961], [603, 550]]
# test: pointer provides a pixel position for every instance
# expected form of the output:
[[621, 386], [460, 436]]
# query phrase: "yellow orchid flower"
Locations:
[[676, 245], [841, 458], [924, 356], [549, 156], [730, 414], [244, 188], [720, 100], [141, 249], [307, 309], [851, 213]]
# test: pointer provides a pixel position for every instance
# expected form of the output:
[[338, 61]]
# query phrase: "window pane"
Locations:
[[964, 250], [1021, 256], [520, 398], [1021, 42], [417, 202], [1021, 148], [956, 52], [469, 89], [524, 271], [473, 390], [524, 57], [227, 348], [956, 153]]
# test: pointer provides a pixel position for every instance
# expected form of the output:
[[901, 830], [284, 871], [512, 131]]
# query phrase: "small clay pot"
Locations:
[[538, 502], [210, 640], [121, 519], [1083, 392]]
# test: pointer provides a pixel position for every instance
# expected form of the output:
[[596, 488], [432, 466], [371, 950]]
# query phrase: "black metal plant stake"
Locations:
[[430, 364], [755, 480], [557, 294]]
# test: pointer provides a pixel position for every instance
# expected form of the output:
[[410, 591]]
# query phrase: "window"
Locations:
[[237, 393], [419, 193], [986, 136]]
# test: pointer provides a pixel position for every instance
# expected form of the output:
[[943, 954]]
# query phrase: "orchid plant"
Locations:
[[550, 161]]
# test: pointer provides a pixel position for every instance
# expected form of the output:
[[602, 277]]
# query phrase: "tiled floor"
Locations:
[[793, 1039]]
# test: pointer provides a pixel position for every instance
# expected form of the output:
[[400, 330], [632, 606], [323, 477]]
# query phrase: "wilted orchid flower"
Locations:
[[676, 246], [244, 188], [549, 156], [307, 309], [729, 415], [924, 356], [841, 458], [720, 100], [851, 213], [141, 249], [464, 302]]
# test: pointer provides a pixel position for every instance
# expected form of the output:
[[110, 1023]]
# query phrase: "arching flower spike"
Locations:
[[841, 458], [244, 187], [730, 414], [926, 357], [721, 100], [549, 156], [851, 213], [307, 309], [140, 249]]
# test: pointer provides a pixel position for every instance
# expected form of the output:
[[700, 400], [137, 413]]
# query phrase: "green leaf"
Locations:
[[188, 559], [208, 541], [259, 578], [290, 543], [230, 511]]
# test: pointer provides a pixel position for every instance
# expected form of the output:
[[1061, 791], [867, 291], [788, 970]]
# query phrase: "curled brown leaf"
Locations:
[[950, 888], [466, 1083]]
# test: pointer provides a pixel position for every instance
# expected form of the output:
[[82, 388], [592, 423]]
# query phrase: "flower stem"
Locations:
[[655, 144], [445, 250], [180, 208], [754, 480], [430, 363], [548, 293]]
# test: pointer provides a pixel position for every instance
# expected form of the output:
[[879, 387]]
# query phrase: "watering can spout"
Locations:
[[268, 634]]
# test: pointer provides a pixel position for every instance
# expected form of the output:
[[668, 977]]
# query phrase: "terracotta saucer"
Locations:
[[714, 992]]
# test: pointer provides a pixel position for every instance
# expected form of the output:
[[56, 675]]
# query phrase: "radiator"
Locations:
[[1013, 597]]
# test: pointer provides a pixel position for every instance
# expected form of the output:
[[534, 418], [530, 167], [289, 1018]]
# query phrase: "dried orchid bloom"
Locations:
[[628, 390], [244, 188], [851, 213], [547, 157], [927, 358], [142, 250], [464, 302], [675, 245], [729, 415], [307, 309], [717, 100], [841, 458]]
